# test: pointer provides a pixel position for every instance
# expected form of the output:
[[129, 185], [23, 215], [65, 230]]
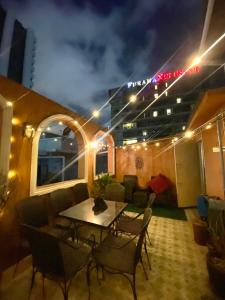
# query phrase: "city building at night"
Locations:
[[17, 50], [166, 117]]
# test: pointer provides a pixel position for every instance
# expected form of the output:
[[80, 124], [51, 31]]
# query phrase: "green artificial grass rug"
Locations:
[[161, 211]]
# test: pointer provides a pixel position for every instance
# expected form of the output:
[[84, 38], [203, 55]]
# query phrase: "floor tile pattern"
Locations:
[[178, 272]]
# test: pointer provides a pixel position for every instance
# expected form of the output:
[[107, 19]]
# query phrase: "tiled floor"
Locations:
[[178, 272]]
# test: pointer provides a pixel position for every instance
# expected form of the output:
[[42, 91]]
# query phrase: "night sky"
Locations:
[[85, 47]]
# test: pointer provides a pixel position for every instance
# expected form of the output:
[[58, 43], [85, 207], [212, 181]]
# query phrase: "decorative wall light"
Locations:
[[28, 130]]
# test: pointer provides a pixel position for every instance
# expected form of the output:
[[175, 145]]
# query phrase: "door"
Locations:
[[187, 173]]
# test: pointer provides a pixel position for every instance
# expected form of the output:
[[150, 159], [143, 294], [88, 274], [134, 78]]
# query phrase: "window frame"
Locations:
[[39, 190]]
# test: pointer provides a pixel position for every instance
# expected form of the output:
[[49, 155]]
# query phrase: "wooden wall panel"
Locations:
[[213, 167]]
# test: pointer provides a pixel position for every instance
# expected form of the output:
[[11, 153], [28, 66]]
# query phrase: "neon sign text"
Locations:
[[163, 77]]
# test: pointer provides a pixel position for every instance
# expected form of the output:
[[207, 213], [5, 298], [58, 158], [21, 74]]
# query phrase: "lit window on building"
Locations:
[[144, 133], [129, 125], [169, 111], [155, 113], [179, 100], [129, 142]]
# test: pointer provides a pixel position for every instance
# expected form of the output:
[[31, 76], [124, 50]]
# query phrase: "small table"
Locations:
[[83, 212]]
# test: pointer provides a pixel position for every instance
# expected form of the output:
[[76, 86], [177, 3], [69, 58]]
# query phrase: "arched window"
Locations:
[[59, 158], [104, 155]]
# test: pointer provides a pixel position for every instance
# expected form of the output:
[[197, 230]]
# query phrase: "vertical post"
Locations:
[[219, 133]]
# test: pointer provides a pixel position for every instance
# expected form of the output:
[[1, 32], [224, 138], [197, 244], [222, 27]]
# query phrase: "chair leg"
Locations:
[[65, 290], [146, 252], [43, 286], [134, 287], [32, 281], [146, 275], [88, 275], [149, 240]]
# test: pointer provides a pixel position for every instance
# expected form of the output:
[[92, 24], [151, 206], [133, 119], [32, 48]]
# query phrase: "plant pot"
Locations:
[[216, 270], [201, 234]]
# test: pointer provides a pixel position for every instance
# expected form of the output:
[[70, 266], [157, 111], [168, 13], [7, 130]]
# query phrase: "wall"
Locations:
[[213, 166], [156, 160], [32, 108], [188, 173]]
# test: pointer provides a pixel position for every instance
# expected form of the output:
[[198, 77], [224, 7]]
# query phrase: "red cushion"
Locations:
[[159, 184]]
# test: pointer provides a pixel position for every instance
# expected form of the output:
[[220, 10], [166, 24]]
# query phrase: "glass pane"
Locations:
[[57, 155], [102, 158]]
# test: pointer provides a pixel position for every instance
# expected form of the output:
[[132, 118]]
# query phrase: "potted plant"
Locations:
[[98, 192], [3, 191], [216, 253], [100, 184]]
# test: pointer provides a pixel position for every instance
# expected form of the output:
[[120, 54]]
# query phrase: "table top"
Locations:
[[83, 212]]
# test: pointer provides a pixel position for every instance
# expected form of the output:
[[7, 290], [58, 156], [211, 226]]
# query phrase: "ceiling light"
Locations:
[[157, 144], [209, 126], [183, 127], [156, 95], [179, 100], [60, 123]]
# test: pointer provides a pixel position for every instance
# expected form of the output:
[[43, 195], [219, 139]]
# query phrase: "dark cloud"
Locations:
[[85, 47]]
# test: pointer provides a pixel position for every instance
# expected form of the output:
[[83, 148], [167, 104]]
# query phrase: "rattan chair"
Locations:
[[60, 200], [55, 259], [34, 211], [115, 192], [120, 255], [80, 192]]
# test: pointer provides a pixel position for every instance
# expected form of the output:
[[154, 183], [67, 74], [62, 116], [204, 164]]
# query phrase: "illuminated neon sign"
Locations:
[[163, 77]]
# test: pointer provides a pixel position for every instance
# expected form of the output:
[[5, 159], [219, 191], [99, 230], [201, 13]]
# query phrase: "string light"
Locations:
[[132, 98], [11, 174], [9, 103], [209, 126], [15, 121], [96, 114], [188, 134]]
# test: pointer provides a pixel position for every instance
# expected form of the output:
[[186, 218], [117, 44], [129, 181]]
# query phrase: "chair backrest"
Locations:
[[145, 223], [33, 210], [80, 192], [151, 199], [115, 192], [60, 200], [45, 250], [130, 182]]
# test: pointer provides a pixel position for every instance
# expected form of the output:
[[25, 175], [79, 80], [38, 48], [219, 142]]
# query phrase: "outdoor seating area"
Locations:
[[183, 276], [112, 185]]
